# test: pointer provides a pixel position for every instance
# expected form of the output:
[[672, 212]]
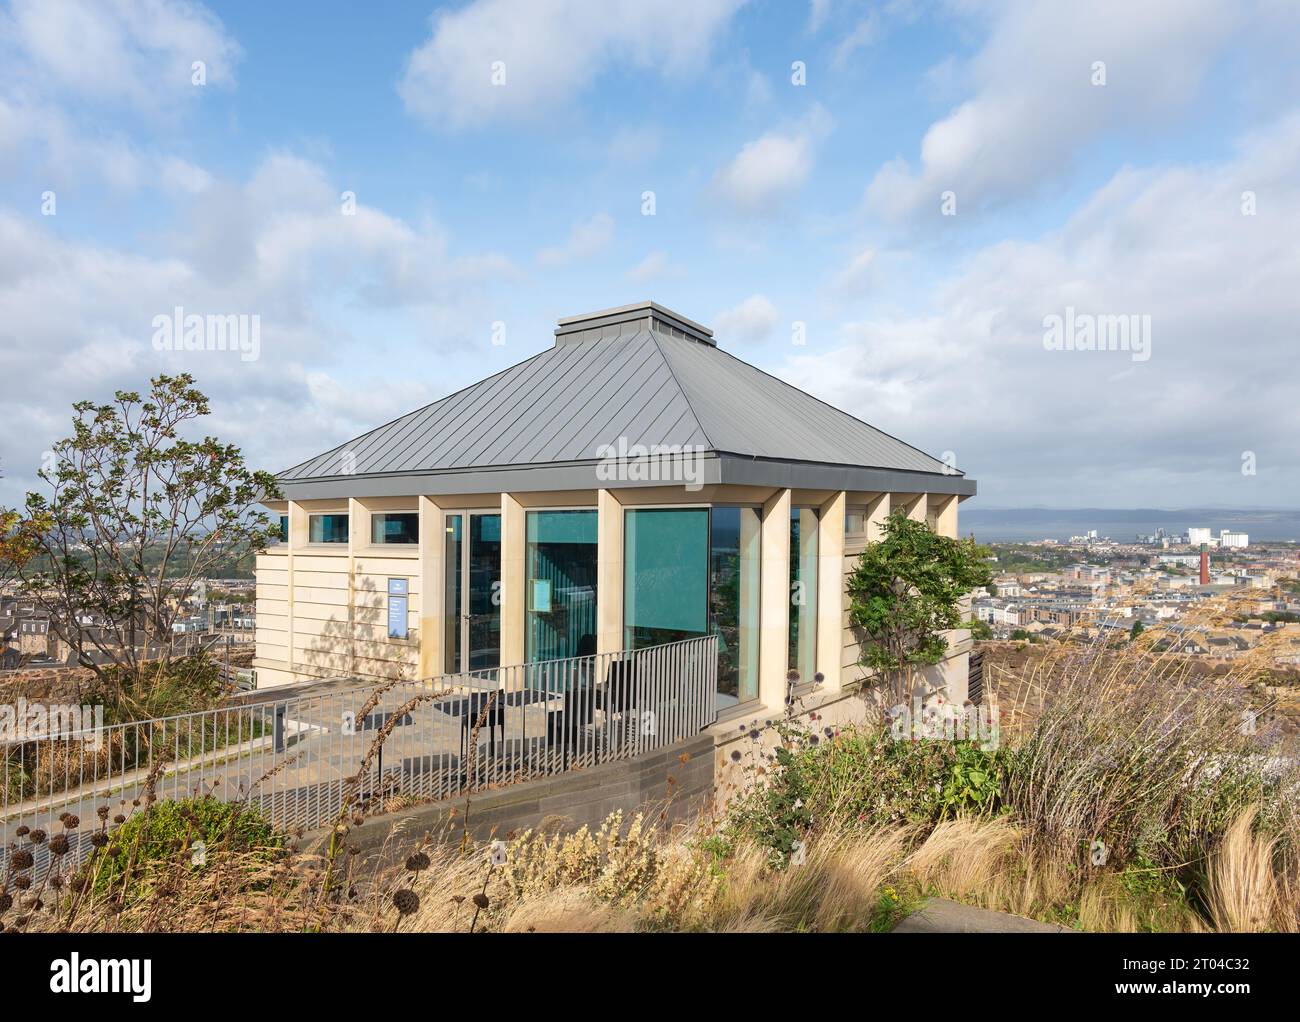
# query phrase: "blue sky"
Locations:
[[775, 204]]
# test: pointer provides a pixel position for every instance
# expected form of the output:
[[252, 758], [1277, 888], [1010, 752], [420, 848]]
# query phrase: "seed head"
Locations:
[[406, 901], [417, 861]]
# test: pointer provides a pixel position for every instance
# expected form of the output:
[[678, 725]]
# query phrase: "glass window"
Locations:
[[665, 575], [695, 571], [451, 594], [284, 528], [560, 576], [327, 528], [855, 521], [803, 592], [735, 547], [484, 592], [403, 527]]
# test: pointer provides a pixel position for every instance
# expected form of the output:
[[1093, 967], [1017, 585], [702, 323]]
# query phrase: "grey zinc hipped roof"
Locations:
[[640, 372]]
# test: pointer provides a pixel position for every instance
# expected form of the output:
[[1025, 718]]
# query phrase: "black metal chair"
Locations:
[[619, 697], [469, 709], [565, 725]]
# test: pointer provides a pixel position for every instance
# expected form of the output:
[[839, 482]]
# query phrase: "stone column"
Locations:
[[514, 540], [433, 545], [609, 573], [830, 590], [774, 611]]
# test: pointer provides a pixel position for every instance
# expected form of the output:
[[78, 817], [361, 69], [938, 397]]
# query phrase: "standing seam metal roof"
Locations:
[[641, 379]]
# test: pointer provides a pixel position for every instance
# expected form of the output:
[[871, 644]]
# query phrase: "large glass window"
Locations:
[[327, 528], [803, 591], [452, 582], [695, 571], [472, 593], [735, 545], [402, 527], [665, 575], [284, 528], [484, 596], [560, 576]]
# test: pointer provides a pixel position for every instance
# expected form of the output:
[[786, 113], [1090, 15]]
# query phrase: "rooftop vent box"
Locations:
[[626, 320]]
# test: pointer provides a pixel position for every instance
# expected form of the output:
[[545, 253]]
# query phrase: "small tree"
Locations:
[[1137, 629], [906, 590], [136, 516]]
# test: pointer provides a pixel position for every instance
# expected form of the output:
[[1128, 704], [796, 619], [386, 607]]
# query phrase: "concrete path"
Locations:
[[939, 915]]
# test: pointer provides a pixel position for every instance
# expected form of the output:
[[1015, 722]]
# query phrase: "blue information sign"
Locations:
[[398, 588]]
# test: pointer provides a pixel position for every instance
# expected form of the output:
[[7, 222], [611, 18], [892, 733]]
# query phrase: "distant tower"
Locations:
[[1205, 565]]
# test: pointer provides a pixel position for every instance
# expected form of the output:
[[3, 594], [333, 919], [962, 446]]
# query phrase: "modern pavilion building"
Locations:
[[631, 485]]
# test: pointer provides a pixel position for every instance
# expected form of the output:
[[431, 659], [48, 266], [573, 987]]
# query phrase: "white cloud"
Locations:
[[634, 145], [138, 52], [550, 51], [341, 300], [750, 322], [56, 58], [817, 12], [655, 266], [1034, 106], [771, 168], [858, 276], [587, 238], [971, 373], [862, 35]]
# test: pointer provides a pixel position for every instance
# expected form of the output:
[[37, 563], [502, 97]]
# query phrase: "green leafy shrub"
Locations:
[[862, 777], [165, 834]]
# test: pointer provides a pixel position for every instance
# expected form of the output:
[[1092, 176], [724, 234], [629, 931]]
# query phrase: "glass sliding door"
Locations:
[[665, 575], [483, 596], [735, 550], [560, 576], [803, 592], [453, 584], [472, 597]]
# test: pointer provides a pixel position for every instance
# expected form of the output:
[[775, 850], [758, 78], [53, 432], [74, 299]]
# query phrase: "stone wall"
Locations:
[[673, 785], [44, 684]]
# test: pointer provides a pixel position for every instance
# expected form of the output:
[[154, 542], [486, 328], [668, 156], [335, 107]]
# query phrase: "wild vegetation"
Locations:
[[1132, 798]]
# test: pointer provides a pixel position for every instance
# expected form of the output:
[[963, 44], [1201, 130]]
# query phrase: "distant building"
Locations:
[[1233, 539], [1195, 537]]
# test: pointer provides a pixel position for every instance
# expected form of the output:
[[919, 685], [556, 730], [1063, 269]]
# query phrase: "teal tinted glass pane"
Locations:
[[403, 527], [665, 575], [451, 594], [803, 592], [484, 592], [735, 549], [560, 596], [327, 529], [284, 528], [562, 527]]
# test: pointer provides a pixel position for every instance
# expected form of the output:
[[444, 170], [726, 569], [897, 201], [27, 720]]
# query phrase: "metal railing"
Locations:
[[303, 760]]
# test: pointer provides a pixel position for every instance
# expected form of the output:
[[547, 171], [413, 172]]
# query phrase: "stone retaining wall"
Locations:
[[674, 784]]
